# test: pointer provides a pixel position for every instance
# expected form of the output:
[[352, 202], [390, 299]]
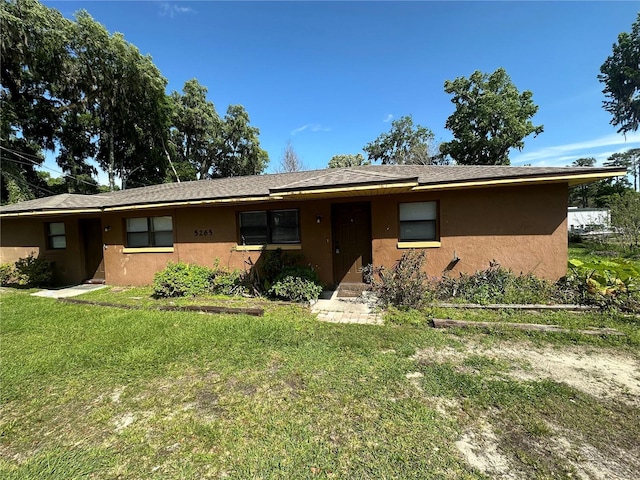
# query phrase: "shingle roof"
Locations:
[[264, 185]]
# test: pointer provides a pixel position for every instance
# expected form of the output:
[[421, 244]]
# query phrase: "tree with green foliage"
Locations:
[[598, 194], [348, 160], [73, 88], [196, 129], [125, 94], [631, 161], [608, 187], [491, 118], [625, 216], [404, 144], [70, 86], [239, 152], [584, 195], [620, 74], [34, 69]]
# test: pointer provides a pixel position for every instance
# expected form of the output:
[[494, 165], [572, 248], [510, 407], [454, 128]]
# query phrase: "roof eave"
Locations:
[[348, 190], [570, 179], [44, 213], [187, 203]]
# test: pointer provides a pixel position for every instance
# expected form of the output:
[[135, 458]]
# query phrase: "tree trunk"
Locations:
[[170, 162]]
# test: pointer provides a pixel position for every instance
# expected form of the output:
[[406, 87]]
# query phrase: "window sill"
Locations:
[[430, 244], [147, 250], [271, 246]]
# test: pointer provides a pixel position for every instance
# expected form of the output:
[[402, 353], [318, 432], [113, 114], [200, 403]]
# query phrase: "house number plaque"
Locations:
[[207, 232]]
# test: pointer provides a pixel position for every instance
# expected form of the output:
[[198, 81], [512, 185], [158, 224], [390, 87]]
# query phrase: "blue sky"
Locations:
[[329, 76]]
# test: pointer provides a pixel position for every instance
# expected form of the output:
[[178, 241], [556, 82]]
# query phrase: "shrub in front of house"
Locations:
[[296, 283], [33, 271], [607, 289], [226, 282], [403, 285], [283, 275], [494, 285], [7, 274], [296, 289], [273, 264], [182, 280], [190, 280]]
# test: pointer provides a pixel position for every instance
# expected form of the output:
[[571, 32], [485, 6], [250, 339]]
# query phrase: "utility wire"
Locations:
[[38, 164], [37, 187], [21, 155]]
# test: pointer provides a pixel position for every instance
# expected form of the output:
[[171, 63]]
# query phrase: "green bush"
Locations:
[[182, 280], [494, 285], [600, 287], [295, 288], [404, 285], [274, 264], [228, 283], [7, 274], [33, 271]]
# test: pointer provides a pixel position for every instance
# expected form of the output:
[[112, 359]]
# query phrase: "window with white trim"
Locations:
[[269, 227], [150, 232], [56, 236], [418, 221]]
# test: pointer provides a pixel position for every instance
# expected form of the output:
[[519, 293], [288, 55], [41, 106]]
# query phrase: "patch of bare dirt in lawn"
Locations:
[[606, 374], [602, 373]]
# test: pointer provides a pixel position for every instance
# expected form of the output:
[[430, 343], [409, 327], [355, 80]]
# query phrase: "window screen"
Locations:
[[149, 232], [57, 238], [273, 226], [418, 221]]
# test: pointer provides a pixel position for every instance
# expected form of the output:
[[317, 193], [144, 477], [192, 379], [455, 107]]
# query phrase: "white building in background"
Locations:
[[585, 220]]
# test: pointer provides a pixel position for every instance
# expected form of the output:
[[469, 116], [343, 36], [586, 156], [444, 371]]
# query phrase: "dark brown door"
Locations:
[[91, 229], [351, 223]]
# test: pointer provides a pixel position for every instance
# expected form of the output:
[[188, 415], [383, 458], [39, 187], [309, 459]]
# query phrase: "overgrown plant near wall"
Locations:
[[403, 285], [284, 276], [190, 280], [601, 287], [494, 285], [182, 280], [33, 271], [295, 288], [7, 274], [280, 277]]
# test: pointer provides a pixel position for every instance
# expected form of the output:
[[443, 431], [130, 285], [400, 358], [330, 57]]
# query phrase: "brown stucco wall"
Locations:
[[523, 228], [138, 268], [22, 236]]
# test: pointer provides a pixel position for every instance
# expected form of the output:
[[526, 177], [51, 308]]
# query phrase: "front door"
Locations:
[[351, 226], [91, 229]]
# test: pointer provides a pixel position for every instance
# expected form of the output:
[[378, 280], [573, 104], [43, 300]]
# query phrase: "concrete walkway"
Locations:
[[362, 310], [67, 291]]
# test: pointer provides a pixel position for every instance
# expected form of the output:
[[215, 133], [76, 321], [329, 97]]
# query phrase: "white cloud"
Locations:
[[561, 155], [168, 9], [388, 118], [312, 127]]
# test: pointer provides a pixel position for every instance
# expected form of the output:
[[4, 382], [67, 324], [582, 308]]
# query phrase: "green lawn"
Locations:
[[96, 392]]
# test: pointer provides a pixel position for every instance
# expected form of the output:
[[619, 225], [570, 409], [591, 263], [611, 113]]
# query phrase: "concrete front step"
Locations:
[[351, 290]]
